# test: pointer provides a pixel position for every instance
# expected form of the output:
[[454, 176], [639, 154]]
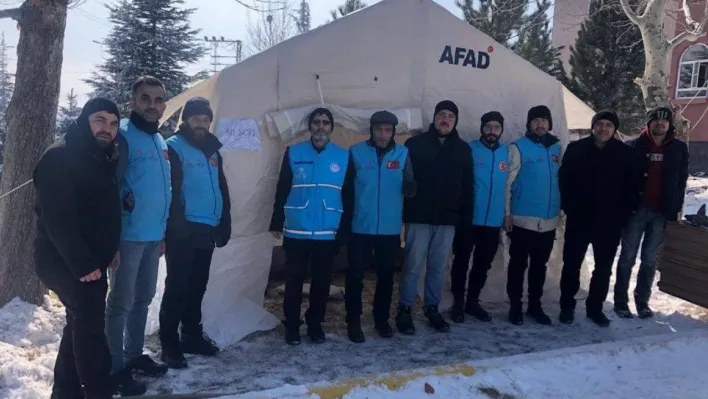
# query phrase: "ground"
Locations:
[[29, 339]]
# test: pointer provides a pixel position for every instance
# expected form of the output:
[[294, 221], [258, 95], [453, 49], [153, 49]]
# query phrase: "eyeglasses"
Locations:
[[323, 122]]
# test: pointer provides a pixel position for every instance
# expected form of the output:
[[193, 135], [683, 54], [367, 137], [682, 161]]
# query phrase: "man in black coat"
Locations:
[[597, 195], [78, 232], [663, 163], [442, 165]]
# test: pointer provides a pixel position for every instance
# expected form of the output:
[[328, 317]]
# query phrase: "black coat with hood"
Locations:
[[444, 179], [178, 228], [77, 206]]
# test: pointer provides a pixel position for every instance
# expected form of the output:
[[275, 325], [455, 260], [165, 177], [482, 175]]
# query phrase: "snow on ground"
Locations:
[[29, 338]]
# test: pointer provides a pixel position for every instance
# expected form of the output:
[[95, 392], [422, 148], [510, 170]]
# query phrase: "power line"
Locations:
[[217, 43]]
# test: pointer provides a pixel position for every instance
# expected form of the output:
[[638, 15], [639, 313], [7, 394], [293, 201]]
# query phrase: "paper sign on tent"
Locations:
[[239, 133]]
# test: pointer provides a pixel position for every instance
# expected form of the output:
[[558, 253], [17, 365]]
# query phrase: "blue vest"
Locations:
[[378, 189], [201, 194], [491, 168], [314, 208], [535, 191], [148, 178]]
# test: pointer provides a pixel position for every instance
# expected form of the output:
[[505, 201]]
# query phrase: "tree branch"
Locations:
[[630, 13], [13, 13], [694, 29]]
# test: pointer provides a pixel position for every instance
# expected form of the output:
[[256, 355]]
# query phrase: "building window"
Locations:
[[693, 72]]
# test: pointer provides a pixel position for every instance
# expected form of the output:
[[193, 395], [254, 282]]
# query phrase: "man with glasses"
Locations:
[[312, 208]]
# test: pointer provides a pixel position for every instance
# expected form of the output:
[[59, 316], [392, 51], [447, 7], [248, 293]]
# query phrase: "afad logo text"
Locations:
[[466, 57]]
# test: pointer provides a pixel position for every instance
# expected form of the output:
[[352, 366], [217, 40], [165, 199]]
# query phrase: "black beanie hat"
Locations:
[[197, 106], [447, 105], [607, 115], [97, 104], [492, 116], [320, 111], [661, 113], [539, 111]]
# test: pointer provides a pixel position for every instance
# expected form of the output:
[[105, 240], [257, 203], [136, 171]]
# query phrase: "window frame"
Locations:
[[690, 92]]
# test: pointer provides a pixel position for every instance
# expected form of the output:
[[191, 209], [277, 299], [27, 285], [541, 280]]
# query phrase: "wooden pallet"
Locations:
[[683, 263]]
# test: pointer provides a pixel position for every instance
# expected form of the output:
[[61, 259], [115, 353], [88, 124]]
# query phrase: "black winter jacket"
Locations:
[[598, 186], [674, 172], [77, 206], [444, 180]]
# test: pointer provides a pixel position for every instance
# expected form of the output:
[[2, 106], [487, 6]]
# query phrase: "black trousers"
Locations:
[[529, 249], [578, 236], [359, 254], [187, 277], [484, 241], [299, 254], [83, 358]]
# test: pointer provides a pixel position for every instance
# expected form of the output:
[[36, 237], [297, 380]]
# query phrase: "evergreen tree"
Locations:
[[7, 87], [608, 54], [499, 19], [348, 7], [535, 44], [68, 114], [303, 18], [149, 37]]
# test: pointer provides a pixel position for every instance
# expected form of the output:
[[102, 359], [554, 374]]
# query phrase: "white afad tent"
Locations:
[[401, 55]]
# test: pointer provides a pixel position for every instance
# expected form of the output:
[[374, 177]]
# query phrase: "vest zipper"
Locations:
[[211, 181], [550, 181], [491, 187], [378, 197], [161, 156]]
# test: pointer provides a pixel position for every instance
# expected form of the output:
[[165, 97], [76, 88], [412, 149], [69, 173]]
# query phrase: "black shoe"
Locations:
[[354, 331], [537, 313], [457, 314], [474, 309], [316, 333], [384, 329], [144, 365], [516, 315], [437, 321], [599, 318], [198, 344], [644, 312], [60, 393], [292, 335], [404, 320], [623, 312], [174, 359], [567, 316], [124, 384]]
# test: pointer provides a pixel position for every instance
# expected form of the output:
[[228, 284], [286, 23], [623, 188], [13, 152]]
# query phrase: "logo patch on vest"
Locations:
[[334, 167], [166, 154], [555, 158], [502, 166], [213, 161], [139, 153], [392, 165]]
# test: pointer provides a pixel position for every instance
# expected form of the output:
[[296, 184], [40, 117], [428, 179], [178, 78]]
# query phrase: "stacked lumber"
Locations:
[[683, 263]]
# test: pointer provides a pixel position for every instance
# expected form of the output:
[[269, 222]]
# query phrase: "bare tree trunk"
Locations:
[[31, 117]]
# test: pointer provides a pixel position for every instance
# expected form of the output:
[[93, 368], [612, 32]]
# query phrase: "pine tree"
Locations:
[[608, 54], [67, 114], [499, 19], [303, 18], [535, 44], [348, 7], [149, 37], [7, 87]]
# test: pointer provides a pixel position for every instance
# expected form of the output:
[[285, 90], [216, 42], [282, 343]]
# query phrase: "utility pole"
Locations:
[[215, 57]]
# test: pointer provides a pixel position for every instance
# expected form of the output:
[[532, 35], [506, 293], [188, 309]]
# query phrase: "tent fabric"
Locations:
[[395, 55]]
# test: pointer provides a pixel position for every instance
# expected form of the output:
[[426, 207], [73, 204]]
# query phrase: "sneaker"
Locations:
[[457, 314], [567, 316], [354, 331], [124, 384], [198, 344], [292, 335], [623, 312], [516, 315], [599, 318], [144, 365], [437, 321], [644, 312], [316, 333], [404, 320], [474, 309], [537, 313], [384, 329]]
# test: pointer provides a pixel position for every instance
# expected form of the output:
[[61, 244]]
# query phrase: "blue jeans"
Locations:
[[431, 243], [652, 225], [132, 288]]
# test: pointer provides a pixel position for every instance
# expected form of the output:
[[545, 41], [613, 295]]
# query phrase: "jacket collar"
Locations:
[[80, 136], [546, 140], [143, 125], [209, 144]]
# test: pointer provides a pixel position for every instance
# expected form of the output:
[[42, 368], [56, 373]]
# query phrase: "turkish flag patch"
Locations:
[[166, 154], [555, 158], [393, 165], [214, 162], [502, 166]]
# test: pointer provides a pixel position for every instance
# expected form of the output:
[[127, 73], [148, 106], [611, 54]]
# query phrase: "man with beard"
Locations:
[[313, 201], [78, 231], [532, 209], [199, 220], [144, 182], [442, 163], [384, 175], [597, 195], [490, 159], [663, 161]]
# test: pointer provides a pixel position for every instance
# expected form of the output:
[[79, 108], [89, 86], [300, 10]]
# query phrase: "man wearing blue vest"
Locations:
[[199, 220], [491, 165], [532, 208], [384, 175], [313, 195], [144, 183]]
